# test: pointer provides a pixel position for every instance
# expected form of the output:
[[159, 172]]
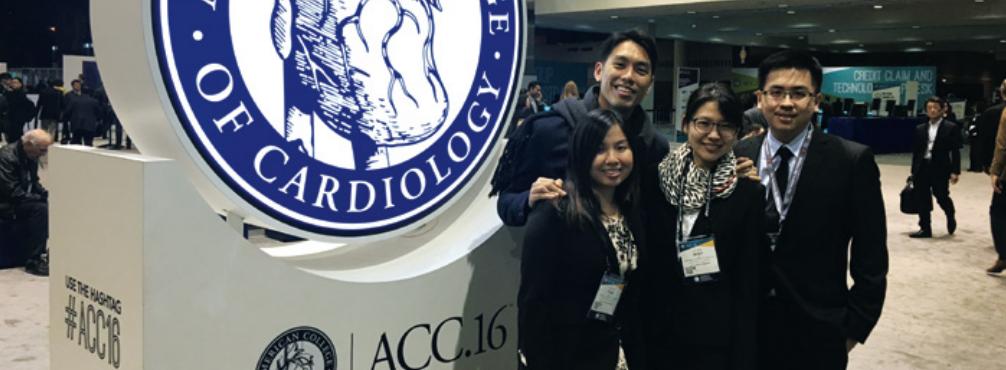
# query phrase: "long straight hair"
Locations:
[[581, 206]]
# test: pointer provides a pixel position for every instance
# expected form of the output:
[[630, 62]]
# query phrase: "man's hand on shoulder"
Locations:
[[545, 189], [746, 169]]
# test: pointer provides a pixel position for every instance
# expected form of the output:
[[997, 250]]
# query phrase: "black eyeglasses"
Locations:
[[725, 129], [797, 95]]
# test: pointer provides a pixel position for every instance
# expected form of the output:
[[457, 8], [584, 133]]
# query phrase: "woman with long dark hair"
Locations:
[[575, 305], [705, 227]]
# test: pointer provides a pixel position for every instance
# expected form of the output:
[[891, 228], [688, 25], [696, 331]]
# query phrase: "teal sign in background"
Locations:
[[553, 76], [858, 83]]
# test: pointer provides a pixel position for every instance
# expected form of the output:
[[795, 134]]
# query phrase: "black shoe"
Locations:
[[997, 268], [921, 234], [37, 267], [951, 225]]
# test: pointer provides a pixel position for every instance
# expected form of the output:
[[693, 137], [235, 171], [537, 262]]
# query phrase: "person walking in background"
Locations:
[[50, 106], [997, 210], [83, 112], [21, 110], [575, 306], [76, 91], [699, 296], [825, 221], [936, 163], [570, 91], [988, 126]]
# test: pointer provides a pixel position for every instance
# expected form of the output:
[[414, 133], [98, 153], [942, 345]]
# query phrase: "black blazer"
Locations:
[[837, 210], [561, 270], [710, 325], [946, 148]]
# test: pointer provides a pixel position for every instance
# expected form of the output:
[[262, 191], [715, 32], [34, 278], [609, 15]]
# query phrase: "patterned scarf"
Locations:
[[694, 197]]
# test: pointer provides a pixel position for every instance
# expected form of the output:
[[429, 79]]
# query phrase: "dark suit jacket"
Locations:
[[710, 325], [988, 125], [946, 149], [837, 202], [561, 270], [83, 112]]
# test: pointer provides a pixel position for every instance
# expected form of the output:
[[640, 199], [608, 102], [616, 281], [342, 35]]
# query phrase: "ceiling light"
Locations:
[[803, 25], [728, 29], [694, 25], [800, 37], [878, 7], [791, 12], [783, 5], [715, 39], [979, 1], [784, 46], [614, 17], [1002, 41], [716, 17], [860, 45], [831, 30], [929, 43], [914, 50], [916, 27], [691, 12], [857, 51], [677, 35], [758, 33], [651, 20]]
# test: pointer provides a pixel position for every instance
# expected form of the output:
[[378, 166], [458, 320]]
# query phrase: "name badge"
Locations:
[[698, 258], [606, 299]]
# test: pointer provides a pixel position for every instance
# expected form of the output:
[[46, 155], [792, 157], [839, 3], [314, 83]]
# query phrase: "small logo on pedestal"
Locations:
[[300, 348]]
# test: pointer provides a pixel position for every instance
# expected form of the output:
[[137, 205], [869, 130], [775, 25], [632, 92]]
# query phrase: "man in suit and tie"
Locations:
[[936, 163], [824, 206]]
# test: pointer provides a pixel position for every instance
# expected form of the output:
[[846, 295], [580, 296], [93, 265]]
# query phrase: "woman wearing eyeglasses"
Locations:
[[705, 232]]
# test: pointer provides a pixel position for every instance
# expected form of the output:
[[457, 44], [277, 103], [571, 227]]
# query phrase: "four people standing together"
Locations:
[[692, 259]]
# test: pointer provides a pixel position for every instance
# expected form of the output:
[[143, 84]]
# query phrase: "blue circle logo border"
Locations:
[[182, 94]]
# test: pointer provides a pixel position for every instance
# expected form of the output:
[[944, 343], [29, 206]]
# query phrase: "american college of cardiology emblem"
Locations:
[[341, 117]]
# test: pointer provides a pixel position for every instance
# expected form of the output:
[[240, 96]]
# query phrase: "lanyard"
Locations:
[[681, 200], [782, 202]]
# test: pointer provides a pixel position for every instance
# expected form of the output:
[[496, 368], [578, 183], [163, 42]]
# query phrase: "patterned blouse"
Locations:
[[622, 241]]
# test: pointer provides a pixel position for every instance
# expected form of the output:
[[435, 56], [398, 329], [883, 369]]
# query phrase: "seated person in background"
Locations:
[[24, 200]]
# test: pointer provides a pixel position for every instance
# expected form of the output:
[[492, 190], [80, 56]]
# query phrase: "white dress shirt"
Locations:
[[933, 128]]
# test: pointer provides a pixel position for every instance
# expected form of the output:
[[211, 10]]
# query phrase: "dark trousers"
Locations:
[[32, 227], [997, 219], [929, 183], [66, 133], [83, 137], [789, 339]]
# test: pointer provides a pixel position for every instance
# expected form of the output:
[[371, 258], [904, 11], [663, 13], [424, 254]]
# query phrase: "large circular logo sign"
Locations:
[[342, 118]]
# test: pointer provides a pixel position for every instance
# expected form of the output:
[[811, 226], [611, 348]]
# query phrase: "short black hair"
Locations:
[[637, 36], [791, 59], [76, 82], [532, 84], [5, 76], [938, 100], [729, 105]]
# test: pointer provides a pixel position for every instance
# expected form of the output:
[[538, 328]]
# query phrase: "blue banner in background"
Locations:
[[860, 83]]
